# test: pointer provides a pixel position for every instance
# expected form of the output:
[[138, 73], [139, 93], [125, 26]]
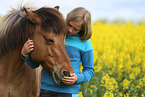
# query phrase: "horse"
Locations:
[[47, 28]]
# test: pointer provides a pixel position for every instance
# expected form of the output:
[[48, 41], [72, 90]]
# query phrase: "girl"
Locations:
[[79, 49]]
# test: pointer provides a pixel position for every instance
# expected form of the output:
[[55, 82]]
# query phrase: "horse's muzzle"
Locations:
[[66, 73]]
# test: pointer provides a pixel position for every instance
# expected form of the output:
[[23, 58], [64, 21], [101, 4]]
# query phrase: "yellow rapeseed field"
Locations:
[[119, 61]]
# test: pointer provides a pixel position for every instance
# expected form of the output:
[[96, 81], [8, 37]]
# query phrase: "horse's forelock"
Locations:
[[52, 20]]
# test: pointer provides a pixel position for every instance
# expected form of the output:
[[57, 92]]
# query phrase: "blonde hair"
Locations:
[[80, 14]]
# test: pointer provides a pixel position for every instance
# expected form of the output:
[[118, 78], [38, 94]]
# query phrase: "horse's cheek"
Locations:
[[38, 55]]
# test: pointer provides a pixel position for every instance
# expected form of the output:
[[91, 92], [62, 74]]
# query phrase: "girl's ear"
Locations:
[[34, 18], [56, 7]]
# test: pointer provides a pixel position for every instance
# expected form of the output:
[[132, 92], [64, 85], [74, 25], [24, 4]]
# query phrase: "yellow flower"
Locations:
[[132, 76], [80, 94], [108, 94], [125, 84], [142, 95], [109, 83]]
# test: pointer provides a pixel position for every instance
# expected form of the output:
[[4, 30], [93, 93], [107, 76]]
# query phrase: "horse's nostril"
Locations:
[[66, 73]]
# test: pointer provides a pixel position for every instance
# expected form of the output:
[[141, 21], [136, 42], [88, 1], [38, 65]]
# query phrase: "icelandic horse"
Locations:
[[47, 28]]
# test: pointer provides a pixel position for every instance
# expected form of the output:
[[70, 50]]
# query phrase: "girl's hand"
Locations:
[[70, 80], [27, 48]]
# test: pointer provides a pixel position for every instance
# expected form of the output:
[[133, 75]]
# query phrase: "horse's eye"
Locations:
[[48, 40]]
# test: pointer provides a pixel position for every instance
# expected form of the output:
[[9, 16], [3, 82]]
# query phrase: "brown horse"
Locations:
[[47, 28]]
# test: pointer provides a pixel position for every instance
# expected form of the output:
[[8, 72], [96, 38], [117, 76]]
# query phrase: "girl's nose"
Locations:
[[70, 29]]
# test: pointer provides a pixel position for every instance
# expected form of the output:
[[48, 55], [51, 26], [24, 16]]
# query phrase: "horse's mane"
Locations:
[[16, 28]]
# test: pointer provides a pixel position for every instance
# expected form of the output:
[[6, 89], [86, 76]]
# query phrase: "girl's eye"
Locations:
[[73, 27], [48, 40], [70, 25], [76, 29]]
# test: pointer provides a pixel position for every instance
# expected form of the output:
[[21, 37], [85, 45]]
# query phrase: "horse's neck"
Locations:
[[12, 57], [11, 61], [16, 77]]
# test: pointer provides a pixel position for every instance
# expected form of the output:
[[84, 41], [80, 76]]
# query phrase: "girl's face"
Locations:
[[73, 28]]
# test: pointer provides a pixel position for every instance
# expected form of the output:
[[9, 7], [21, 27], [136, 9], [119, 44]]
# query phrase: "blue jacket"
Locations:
[[79, 52]]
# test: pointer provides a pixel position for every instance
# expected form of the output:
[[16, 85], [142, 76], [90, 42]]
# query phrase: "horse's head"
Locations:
[[48, 36]]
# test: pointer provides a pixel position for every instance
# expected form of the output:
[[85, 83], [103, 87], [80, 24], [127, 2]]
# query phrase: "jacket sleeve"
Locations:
[[30, 62], [88, 67]]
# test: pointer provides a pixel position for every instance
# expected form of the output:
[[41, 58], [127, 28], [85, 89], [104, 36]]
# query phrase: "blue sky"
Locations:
[[111, 9]]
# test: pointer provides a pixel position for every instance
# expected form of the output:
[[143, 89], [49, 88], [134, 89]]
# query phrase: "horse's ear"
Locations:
[[34, 18], [56, 7]]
